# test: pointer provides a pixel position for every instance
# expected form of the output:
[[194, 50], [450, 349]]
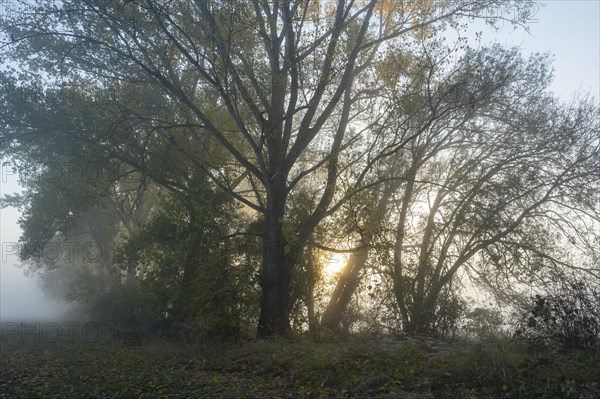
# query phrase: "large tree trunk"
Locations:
[[275, 280]]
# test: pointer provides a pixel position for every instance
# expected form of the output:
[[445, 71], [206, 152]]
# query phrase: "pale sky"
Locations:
[[569, 29]]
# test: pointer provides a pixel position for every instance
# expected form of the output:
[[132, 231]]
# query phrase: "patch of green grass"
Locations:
[[294, 369]]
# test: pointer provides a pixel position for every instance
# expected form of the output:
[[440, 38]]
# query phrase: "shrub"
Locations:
[[483, 324], [567, 319]]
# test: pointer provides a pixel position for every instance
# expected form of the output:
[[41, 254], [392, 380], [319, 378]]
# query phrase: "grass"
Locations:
[[355, 368]]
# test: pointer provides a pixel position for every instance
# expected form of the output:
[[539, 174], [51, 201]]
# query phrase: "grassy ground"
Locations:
[[353, 368]]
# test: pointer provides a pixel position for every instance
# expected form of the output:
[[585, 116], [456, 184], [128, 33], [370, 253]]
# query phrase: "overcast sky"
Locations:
[[568, 29]]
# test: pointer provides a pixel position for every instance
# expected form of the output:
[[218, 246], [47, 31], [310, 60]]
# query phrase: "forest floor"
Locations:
[[352, 368]]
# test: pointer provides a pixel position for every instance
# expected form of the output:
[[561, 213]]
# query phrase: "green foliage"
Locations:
[[193, 277]]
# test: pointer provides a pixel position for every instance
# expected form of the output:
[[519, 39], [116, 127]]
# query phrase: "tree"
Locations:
[[290, 76], [491, 201], [195, 271], [439, 95]]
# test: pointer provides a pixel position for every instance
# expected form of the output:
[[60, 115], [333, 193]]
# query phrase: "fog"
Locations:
[[20, 296], [22, 300]]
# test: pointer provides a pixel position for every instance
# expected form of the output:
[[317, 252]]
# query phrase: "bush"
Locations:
[[567, 319], [450, 310], [483, 324]]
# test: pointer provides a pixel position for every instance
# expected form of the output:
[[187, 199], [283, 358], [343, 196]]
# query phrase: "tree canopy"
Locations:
[[232, 142]]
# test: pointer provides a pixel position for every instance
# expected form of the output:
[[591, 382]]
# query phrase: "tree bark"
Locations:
[[398, 275], [275, 279], [345, 287]]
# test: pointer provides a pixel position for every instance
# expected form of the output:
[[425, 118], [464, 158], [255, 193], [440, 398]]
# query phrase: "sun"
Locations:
[[334, 263]]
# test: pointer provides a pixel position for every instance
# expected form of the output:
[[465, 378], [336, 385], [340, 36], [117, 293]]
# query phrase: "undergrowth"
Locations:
[[354, 368]]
